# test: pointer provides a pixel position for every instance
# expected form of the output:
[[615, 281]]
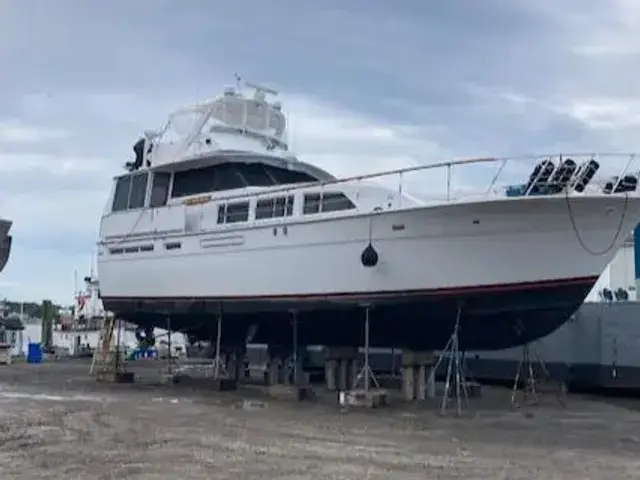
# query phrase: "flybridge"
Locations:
[[232, 121]]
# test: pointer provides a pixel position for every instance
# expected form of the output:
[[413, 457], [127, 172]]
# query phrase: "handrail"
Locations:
[[431, 166], [396, 196]]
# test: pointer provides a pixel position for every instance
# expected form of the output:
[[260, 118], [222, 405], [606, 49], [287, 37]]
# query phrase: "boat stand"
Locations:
[[294, 373], [219, 365], [455, 378], [362, 393], [170, 364], [531, 364]]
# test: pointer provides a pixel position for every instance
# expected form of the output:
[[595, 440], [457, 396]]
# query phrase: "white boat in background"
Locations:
[[216, 215], [5, 242]]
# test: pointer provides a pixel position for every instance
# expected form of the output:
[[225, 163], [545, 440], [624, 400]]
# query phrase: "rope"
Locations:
[[576, 231]]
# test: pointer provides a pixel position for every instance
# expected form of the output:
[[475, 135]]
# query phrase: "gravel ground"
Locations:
[[59, 423]]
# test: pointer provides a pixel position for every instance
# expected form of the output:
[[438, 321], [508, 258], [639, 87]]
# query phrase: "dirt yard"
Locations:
[[58, 423]]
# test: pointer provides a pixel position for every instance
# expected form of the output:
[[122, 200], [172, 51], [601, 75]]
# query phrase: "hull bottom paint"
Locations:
[[491, 317]]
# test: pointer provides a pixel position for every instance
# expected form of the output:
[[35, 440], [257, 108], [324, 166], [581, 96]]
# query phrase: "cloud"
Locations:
[[17, 133], [368, 86]]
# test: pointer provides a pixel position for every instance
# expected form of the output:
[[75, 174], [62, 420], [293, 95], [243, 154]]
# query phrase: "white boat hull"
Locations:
[[432, 259]]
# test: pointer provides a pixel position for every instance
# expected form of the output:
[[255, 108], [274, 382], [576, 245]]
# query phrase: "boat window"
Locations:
[[255, 175], [226, 177], [326, 202], [230, 176], [311, 203], [233, 212], [193, 182], [138, 190], [283, 176], [121, 194], [160, 189], [274, 207], [278, 208], [334, 201]]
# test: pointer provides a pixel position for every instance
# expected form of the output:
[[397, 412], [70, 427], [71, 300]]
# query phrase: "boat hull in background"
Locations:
[[6, 242]]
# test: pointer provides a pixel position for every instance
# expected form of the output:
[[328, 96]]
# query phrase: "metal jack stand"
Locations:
[[365, 375], [530, 390], [121, 375], [219, 365], [169, 347], [169, 371], [361, 393], [455, 371]]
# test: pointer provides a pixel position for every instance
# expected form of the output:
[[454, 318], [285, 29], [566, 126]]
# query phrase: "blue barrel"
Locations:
[[34, 353], [144, 353]]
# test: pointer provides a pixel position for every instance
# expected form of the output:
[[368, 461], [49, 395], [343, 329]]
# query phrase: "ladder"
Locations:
[[101, 360]]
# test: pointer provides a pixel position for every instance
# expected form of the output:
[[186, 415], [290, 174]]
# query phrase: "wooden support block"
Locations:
[[224, 384], [123, 377], [361, 398]]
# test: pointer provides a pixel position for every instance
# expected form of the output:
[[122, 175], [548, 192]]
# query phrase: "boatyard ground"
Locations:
[[57, 422]]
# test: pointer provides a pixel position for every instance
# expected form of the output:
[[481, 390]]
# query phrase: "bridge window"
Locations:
[[283, 177], [160, 189], [256, 175], [227, 177], [121, 194], [230, 176], [193, 182], [233, 212], [326, 202], [138, 191], [274, 207]]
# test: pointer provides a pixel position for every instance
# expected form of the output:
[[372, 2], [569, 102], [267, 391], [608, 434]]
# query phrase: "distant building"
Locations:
[[11, 330]]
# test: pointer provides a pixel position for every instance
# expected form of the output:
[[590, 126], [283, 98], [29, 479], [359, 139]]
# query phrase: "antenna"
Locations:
[[260, 88]]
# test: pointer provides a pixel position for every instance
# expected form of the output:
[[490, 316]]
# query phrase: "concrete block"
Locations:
[[421, 383], [360, 398], [408, 383], [291, 392], [431, 382], [343, 374], [330, 372], [274, 372]]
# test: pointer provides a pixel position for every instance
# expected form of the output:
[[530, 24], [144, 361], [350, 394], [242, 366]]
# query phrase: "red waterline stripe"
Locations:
[[498, 288]]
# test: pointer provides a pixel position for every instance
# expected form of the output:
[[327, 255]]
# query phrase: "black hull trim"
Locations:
[[491, 317]]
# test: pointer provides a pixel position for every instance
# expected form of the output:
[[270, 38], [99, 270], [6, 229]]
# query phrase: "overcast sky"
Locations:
[[367, 84]]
